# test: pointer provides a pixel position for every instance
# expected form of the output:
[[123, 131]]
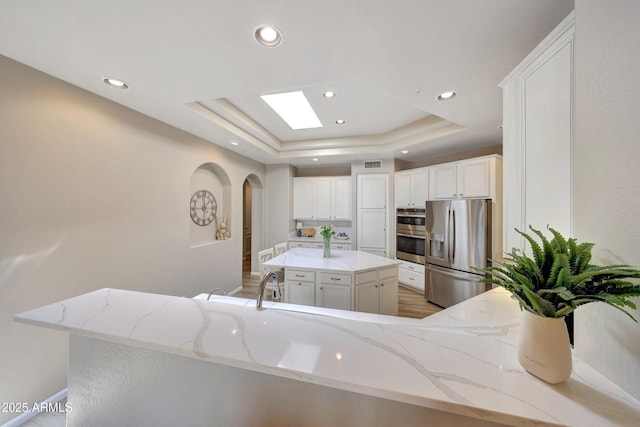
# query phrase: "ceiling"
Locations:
[[195, 65]]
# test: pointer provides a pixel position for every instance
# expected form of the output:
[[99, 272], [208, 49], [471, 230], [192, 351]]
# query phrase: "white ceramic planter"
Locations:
[[543, 347]]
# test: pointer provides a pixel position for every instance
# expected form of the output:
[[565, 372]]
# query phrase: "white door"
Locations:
[[334, 296], [474, 178], [419, 188], [372, 229], [403, 190], [367, 297], [342, 198], [323, 199], [442, 182], [303, 198], [302, 293], [372, 191]]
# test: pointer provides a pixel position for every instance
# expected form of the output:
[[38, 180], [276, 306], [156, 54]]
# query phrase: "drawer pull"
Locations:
[[299, 283], [411, 267], [336, 279], [299, 275], [411, 278]]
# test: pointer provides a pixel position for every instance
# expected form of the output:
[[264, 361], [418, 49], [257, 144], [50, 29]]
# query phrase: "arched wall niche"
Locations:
[[213, 178], [254, 207]]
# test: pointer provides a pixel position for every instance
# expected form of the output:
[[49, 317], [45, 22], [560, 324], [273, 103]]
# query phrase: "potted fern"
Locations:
[[556, 281]]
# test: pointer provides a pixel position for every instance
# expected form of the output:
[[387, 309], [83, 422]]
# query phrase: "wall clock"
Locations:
[[203, 207]]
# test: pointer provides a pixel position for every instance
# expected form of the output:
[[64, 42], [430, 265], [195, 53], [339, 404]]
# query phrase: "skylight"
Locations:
[[294, 109]]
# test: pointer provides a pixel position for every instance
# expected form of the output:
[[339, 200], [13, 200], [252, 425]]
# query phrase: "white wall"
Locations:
[[607, 174], [94, 195], [278, 204]]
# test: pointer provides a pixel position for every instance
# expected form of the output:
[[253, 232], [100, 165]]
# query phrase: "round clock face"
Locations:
[[203, 207]]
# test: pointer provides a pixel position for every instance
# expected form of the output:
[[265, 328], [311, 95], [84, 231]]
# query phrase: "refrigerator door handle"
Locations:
[[453, 245]]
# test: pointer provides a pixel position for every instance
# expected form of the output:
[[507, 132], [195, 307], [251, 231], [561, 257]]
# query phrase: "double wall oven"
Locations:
[[410, 234]]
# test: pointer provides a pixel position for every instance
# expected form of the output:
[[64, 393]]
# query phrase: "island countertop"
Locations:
[[340, 260], [461, 360]]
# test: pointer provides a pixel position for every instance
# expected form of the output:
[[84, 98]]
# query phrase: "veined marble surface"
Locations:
[[461, 360], [347, 261]]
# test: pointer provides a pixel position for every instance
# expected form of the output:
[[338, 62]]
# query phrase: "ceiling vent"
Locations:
[[373, 164]]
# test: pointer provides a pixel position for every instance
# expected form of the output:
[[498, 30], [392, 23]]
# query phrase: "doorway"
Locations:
[[252, 223], [246, 227]]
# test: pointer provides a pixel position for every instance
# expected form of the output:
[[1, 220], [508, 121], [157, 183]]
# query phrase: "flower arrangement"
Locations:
[[327, 231], [560, 277]]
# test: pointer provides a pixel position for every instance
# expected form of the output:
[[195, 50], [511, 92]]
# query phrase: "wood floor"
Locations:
[[410, 302]]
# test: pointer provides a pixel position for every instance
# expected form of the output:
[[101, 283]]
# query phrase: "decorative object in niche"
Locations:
[[556, 281], [222, 233], [203, 207]]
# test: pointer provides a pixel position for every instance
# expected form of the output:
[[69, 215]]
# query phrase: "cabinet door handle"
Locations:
[[376, 286], [321, 288], [299, 283], [381, 284]]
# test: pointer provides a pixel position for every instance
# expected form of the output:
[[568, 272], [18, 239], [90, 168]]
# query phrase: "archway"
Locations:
[[252, 223]]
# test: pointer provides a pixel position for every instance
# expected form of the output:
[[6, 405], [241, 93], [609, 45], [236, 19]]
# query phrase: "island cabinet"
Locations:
[[348, 280], [377, 291], [300, 287]]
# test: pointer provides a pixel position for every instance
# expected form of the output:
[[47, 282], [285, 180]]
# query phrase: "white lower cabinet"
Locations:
[[319, 245], [377, 291], [374, 291], [299, 287], [412, 275], [367, 292]]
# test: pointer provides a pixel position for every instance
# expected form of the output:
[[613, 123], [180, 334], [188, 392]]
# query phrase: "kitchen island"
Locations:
[[347, 280], [148, 359]]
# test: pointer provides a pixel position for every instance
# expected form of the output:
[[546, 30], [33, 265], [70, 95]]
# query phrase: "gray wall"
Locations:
[[607, 176], [94, 195]]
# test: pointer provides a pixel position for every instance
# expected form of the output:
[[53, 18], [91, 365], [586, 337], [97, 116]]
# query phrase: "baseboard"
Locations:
[[235, 291]]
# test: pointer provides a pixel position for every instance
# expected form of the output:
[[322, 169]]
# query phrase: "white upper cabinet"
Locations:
[[372, 191], [341, 197], [412, 188], [466, 179], [322, 198], [537, 138], [303, 198]]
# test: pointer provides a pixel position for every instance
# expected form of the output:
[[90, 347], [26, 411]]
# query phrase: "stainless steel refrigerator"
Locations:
[[458, 237]]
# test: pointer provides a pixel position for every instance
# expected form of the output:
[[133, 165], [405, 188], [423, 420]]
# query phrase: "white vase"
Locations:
[[543, 347]]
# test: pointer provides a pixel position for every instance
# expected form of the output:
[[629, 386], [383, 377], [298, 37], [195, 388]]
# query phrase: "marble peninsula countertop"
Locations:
[[340, 260], [461, 360]]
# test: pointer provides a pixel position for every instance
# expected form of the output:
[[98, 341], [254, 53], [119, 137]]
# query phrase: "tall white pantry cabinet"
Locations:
[[538, 138]]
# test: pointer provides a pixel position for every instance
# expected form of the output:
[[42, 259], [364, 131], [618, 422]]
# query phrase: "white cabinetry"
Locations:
[[299, 287], [412, 188], [319, 245], [412, 275], [537, 138], [322, 198], [466, 179], [372, 213], [334, 291], [377, 291]]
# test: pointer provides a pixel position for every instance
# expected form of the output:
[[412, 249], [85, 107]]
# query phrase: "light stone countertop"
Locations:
[[340, 260], [461, 360]]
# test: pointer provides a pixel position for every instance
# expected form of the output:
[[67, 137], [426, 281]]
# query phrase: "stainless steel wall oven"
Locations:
[[410, 234]]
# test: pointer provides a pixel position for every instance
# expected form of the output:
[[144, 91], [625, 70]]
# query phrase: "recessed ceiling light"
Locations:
[[294, 109], [446, 95], [235, 143], [329, 94], [268, 36], [115, 83], [315, 160], [404, 151], [340, 121]]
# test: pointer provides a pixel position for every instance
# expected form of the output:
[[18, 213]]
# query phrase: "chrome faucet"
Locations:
[[263, 283]]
